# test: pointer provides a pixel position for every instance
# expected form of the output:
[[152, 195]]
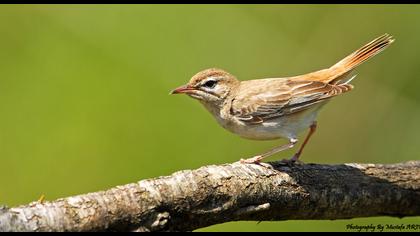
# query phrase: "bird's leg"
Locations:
[[295, 157], [257, 159]]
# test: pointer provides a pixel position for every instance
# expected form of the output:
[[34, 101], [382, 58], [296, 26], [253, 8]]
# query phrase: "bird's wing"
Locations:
[[271, 98]]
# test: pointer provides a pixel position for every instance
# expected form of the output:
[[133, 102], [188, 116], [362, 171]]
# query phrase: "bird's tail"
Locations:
[[341, 70]]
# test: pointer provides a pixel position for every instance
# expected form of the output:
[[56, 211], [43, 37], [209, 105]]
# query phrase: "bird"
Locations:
[[276, 108]]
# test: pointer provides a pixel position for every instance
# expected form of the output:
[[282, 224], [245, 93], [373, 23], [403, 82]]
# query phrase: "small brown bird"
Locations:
[[274, 108]]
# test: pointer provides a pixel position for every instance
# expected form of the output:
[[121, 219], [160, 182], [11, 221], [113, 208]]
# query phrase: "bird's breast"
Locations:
[[273, 129], [288, 126]]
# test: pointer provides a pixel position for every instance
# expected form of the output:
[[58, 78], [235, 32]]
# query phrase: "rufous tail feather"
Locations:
[[341, 70]]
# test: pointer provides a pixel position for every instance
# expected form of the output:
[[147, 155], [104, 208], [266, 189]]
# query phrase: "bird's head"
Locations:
[[210, 86]]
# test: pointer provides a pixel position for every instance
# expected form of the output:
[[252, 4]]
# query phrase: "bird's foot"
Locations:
[[255, 160], [292, 161], [252, 160]]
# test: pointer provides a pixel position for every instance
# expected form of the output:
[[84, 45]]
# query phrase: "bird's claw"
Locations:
[[252, 160], [255, 160], [292, 161]]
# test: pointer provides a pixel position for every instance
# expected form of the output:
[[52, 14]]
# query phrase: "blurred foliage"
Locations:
[[84, 98]]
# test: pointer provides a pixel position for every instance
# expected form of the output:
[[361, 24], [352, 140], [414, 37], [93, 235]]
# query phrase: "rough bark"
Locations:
[[193, 199]]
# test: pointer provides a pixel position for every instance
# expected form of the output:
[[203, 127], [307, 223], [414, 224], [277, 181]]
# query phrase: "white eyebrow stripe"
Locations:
[[217, 79], [213, 78]]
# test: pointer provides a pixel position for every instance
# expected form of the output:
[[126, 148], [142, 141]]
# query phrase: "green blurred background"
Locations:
[[84, 98]]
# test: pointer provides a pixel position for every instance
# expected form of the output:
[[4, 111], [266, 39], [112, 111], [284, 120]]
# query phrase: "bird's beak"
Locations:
[[182, 89]]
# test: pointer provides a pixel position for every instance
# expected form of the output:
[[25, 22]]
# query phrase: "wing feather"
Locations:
[[273, 98]]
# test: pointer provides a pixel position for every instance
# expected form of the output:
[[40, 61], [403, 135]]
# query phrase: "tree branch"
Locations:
[[193, 199]]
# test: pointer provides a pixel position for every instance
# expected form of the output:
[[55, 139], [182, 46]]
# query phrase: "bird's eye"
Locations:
[[210, 84]]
